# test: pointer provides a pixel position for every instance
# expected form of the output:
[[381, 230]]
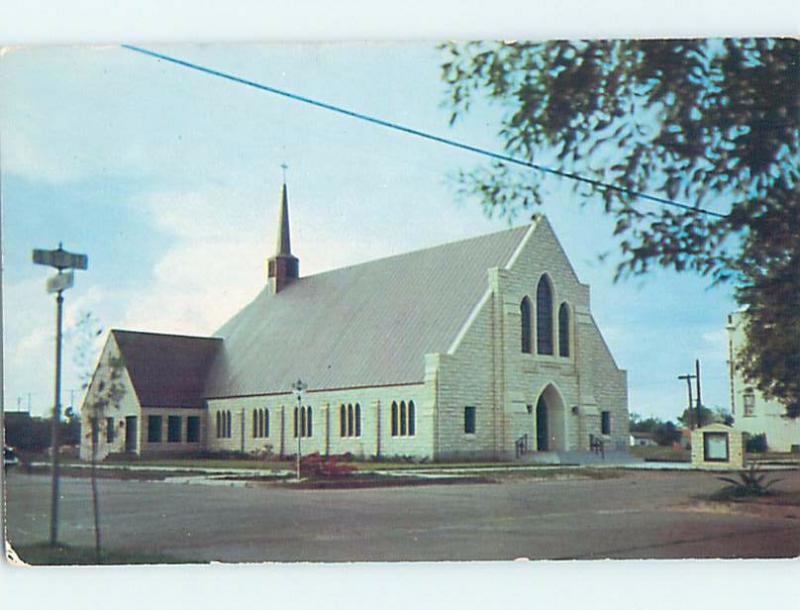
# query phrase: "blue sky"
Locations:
[[169, 180]]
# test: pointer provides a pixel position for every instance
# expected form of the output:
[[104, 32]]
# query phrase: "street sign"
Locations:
[[60, 259], [60, 281]]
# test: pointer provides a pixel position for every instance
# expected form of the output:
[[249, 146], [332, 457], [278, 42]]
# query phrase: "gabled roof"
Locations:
[[167, 370], [365, 325]]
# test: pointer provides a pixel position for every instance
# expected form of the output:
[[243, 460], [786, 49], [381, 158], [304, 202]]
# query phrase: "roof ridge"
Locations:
[[420, 250]]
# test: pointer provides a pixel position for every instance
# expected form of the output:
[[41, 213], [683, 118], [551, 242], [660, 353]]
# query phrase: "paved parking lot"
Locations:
[[640, 515]]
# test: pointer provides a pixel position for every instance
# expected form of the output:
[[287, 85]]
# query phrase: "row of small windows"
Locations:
[[350, 420], [174, 429], [223, 424], [260, 423], [404, 419], [306, 421], [544, 322]]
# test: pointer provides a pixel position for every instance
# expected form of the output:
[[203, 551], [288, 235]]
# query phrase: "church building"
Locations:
[[480, 349]]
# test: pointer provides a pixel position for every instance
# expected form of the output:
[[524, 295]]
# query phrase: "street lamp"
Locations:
[[61, 260], [299, 390]]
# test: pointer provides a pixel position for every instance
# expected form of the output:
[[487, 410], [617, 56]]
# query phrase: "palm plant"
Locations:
[[751, 482]]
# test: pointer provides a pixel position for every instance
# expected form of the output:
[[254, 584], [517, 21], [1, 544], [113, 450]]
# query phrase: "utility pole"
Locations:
[[688, 377], [61, 260], [699, 402]]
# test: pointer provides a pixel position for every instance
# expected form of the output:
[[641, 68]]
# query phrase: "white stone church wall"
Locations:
[[375, 440]]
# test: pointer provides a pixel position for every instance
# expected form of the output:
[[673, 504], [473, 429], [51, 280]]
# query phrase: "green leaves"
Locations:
[[710, 123]]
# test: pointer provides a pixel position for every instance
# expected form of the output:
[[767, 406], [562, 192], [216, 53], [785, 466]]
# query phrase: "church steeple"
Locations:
[[283, 268]]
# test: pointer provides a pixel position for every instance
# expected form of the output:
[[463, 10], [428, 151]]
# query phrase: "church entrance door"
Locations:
[[541, 425]]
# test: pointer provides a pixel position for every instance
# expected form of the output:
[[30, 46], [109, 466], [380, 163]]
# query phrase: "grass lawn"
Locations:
[[43, 554], [662, 454]]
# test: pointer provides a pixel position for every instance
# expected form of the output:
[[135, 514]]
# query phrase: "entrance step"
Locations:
[[580, 458]]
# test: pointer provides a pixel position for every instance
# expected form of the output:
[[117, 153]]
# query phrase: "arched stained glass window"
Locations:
[[525, 324], [563, 330], [358, 419], [394, 419], [342, 421], [544, 317], [412, 418]]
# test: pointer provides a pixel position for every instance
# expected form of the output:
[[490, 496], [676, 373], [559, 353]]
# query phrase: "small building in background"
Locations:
[[752, 413], [643, 439]]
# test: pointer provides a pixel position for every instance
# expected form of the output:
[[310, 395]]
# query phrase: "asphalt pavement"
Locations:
[[639, 515]]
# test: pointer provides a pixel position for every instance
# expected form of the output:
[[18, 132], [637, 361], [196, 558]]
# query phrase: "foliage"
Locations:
[[756, 443], [33, 433], [689, 417], [105, 390], [711, 123], [751, 482], [664, 433]]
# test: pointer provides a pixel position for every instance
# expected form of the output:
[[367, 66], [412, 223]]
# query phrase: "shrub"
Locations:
[[751, 482], [756, 443], [316, 466]]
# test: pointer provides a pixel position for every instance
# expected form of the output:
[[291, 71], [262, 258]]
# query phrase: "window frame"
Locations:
[[155, 433], [605, 423], [526, 328], [470, 420], [564, 330], [172, 438], [193, 432], [544, 317]]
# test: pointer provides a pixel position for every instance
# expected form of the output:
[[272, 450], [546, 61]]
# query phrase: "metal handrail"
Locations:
[[521, 446]]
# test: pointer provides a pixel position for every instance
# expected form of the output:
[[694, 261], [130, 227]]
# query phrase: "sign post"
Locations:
[[299, 389], [61, 260]]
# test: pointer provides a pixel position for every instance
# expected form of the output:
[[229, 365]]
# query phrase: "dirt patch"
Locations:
[[767, 507]]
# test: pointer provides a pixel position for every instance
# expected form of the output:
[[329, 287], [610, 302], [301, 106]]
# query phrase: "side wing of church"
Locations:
[[481, 349]]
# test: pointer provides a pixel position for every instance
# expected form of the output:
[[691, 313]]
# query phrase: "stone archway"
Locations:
[[550, 421]]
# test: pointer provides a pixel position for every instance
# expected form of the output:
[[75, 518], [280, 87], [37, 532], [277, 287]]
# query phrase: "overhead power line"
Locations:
[[421, 134]]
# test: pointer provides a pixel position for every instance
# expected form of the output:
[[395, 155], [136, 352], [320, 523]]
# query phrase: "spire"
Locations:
[[284, 241], [283, 268]]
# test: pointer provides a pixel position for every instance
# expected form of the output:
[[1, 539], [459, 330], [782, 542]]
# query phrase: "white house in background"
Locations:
[[469, 350], [753, 413]]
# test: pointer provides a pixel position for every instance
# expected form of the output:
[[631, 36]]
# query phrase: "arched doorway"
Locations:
[[549, 421]]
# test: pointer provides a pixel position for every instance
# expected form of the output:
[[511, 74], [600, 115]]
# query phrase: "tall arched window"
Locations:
[[544, 317], [266, 422], [342, 421], [350, 420], [219, 424], [358, 419], [412, 423], [309, 421], [255, 423], [525, 324], [403, 421], [296, 416], [394, 418], [228, 426], [563, 330]]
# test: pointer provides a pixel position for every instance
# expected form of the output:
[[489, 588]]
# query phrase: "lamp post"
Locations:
[[61, 260], [299, 389]]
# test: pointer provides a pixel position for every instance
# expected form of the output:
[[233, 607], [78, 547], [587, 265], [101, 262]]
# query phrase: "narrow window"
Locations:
[[358, 419], [109, 429], [394, 418], [525, 322], [412, 418], [192, 429], [544, 317], [295, 422], [605, 422], [174, 429], [342, 421], [255, 423], [749, 402], [563, 330], [219, 424], [469, 420], [350, 426], [266, 422], [228, 424], [403, 421], [153, 428], [309, 419]]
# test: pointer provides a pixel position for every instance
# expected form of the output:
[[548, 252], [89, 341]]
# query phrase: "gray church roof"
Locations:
[[365, 325], [167, 370]]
